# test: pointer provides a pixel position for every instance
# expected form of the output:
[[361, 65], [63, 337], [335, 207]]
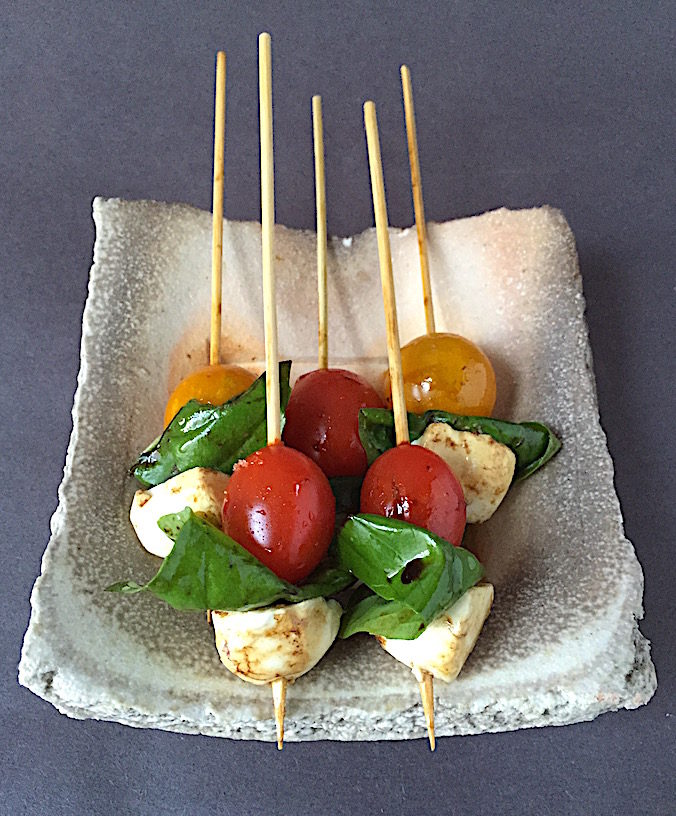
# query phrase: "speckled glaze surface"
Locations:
[[562, 642]]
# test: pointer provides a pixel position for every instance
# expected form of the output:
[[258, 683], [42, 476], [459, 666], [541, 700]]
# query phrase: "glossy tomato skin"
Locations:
[[322, 419], [446, 372], [213, 384], [413, 484], [280, 507]]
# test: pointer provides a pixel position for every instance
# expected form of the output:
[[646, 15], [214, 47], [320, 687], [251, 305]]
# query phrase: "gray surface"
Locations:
[[572, 108]]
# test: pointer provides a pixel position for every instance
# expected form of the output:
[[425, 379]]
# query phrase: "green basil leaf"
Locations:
[[407, 564], [376, 431], [377, 616], [533, 443], [206, 569], [211, 436], [532, 457]]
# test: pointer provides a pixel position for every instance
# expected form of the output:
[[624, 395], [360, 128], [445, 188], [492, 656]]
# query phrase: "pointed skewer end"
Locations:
[[426, 685], [279, 700]]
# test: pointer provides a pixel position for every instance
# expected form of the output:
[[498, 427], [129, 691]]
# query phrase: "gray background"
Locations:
[[518, 104]]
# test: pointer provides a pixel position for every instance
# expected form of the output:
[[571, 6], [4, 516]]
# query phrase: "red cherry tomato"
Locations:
[[280, 507], [322, 419], [412, 483]]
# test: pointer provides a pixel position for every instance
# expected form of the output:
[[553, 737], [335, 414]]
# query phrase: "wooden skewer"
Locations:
[[279, 700], [416, 187], [217, 220], [425, 680], [387, 280], [426, 686], [217, 217], [267, 238], [320, 196], [269, 296]]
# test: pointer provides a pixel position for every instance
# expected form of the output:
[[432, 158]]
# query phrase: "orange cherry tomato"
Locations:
[[322, 419], [280, 507], [413, 484], [214, 384], [446, 372]]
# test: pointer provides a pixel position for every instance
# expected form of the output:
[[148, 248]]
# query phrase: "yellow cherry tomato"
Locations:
[[446, 372], [215, 384]]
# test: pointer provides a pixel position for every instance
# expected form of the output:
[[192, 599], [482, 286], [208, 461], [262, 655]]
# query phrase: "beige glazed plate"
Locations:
[[562, 642]]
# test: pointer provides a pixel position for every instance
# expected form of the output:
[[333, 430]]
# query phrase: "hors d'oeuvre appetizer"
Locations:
[[277, 507], [422, 587], [244, 516], [246, 541], [216, 382]]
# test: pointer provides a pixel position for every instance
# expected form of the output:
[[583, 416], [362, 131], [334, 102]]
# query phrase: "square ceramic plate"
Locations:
[[562, 642]]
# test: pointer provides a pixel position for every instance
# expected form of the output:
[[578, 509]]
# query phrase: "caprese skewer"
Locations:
[[322, 417], [216, 382], [277, 505], [441, 370], [408, 482]]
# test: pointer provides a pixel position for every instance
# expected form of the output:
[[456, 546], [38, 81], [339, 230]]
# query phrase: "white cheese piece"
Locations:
[[201, 489], [263, 645], [446, 643], [484, 467]]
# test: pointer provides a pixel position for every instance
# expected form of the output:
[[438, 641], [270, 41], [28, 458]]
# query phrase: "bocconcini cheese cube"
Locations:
[[484, 467], [262, 645], [446, 643], [200, 489]]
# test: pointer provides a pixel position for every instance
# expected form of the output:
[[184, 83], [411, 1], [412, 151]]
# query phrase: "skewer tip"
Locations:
[[279, 701], [320, 204], [426, 684], [263, 38]]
